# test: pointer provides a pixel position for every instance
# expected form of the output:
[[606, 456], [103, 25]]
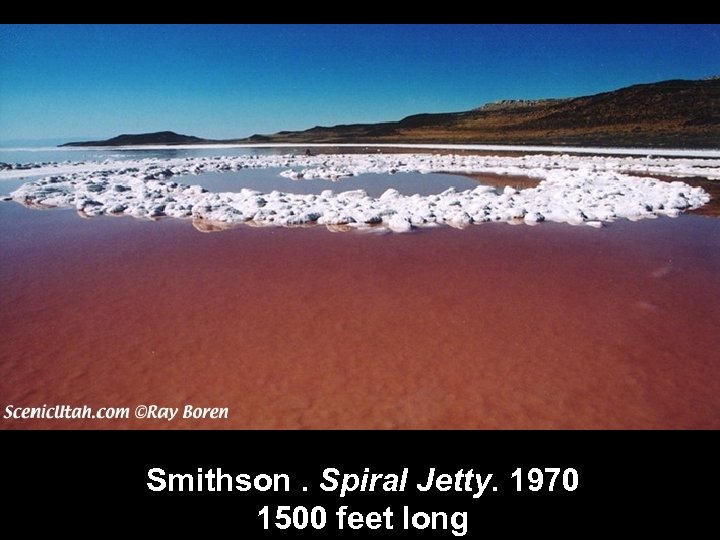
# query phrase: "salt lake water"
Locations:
[[547, 327], [263, 180]]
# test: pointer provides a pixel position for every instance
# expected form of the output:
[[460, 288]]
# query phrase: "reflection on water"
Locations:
[[266, 180], [500, 181]]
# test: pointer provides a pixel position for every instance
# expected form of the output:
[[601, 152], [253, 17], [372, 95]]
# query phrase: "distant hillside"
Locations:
[[160, 137], [666, 114], [674, 114]]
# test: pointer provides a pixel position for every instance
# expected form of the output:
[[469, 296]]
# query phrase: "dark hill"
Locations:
[[160, 137], [671, 114]]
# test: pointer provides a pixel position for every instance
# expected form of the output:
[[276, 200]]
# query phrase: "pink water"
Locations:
[[495, 326]]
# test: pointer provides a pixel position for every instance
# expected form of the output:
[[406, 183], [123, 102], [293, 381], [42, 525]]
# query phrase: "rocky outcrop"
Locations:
[[505, 104]]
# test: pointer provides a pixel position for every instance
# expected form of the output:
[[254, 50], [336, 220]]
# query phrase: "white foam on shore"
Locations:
[[572, 189]]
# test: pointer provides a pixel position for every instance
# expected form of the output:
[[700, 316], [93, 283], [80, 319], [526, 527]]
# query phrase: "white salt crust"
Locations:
[[574, 189]]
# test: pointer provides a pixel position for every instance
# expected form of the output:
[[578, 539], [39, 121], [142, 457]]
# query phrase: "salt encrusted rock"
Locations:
[[531, 218], [398, 223], [95, 188]]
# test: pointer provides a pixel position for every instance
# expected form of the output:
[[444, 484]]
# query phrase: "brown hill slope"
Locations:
[[677, 113]]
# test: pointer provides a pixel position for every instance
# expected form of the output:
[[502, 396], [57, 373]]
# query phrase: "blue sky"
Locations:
[[67, 81]]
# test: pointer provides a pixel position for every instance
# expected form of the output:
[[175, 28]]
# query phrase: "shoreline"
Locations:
[[630, 151]]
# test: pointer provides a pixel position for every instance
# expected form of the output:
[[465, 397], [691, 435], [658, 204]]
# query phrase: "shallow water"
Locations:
[[267, 180], [493, 327], [61, 154]]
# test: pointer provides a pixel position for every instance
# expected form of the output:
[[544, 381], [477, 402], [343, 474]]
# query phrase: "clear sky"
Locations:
[[68, 81]]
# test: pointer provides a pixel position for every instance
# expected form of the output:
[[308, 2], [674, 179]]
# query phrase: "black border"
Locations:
[[629, 480]]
